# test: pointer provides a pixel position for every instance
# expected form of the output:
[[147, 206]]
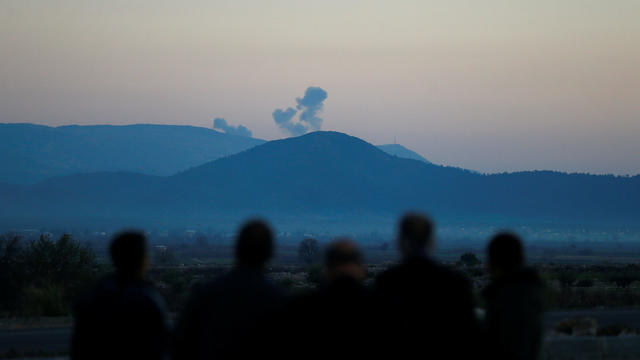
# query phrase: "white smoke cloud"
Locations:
[[221, 124], [310, 105]]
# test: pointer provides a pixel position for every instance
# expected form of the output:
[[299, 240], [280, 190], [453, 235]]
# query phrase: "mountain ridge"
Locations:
[[401, 151], [32, 152], [326, 175]]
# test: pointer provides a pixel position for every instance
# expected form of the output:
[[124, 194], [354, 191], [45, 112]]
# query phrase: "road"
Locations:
[[57, 339], [51, 340], [627, 317]]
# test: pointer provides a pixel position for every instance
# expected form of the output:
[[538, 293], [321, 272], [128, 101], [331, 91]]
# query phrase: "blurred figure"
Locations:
[[425, 308], [334, 321], [228, 318], [514, 301], [124, 317]]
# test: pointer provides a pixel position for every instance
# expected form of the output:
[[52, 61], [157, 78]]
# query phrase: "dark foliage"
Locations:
[[308, 250], [164, 257], [44, 277], [330, 174], [470, 260], [11, 271], [33, 153]]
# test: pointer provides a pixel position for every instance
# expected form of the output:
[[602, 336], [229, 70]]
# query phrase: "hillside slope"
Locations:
[[401, 152], [328, 175], [31, 153]]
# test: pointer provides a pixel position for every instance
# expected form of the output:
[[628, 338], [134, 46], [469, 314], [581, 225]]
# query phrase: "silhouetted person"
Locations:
[[334, 321], [424, 307], [514, 300], [230, 317], [124, 317]]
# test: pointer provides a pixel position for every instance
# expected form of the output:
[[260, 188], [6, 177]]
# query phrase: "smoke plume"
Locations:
[[221, 124], [310, 105]]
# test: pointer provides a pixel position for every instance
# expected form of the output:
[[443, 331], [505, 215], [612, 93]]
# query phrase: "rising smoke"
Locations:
[[309, 106], [221, 124]]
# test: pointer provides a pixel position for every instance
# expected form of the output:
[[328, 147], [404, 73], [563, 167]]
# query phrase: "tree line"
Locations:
[[43, 277]]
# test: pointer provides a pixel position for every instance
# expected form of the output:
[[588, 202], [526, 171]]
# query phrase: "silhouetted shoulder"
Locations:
[[232, 317], [514, 314], [240, 281], [227, 317], [524, 280], [112, 292], [418, 271], [341, 293], [451, 275], [120, 318], [421, 294], [337, 315]]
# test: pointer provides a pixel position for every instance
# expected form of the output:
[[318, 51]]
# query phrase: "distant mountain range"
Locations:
[[30, 153], [401, 152], [318, 176]]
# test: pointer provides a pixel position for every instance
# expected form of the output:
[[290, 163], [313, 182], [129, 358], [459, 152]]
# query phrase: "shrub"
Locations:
[[314, 275], [164, 257], [469, 260], [11, 272], [44, 277], [308, 250], [585, 283], [567, 278], [623, 279], [287, 282], [47, 300]]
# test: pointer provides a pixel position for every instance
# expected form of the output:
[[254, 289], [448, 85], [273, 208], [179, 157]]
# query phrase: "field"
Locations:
[[583, 279]]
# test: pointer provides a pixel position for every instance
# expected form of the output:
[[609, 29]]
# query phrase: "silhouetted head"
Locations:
[[505, 254], [129, 254], [254, 245], [343, 258], [415, 236]]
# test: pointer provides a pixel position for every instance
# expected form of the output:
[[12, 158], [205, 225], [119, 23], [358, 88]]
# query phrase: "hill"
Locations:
[[320, 176], [401, 152], [31, 153]]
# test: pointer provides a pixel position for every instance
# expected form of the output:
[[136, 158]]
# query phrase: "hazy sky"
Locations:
[[486, 85]]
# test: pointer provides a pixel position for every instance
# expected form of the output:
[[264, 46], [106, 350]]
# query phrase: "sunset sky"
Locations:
[[486, 85]]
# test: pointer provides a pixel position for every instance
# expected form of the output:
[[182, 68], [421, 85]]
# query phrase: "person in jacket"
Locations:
[[233, 317], [335, 321], [124, 316], [424, 307], [514, 300]]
